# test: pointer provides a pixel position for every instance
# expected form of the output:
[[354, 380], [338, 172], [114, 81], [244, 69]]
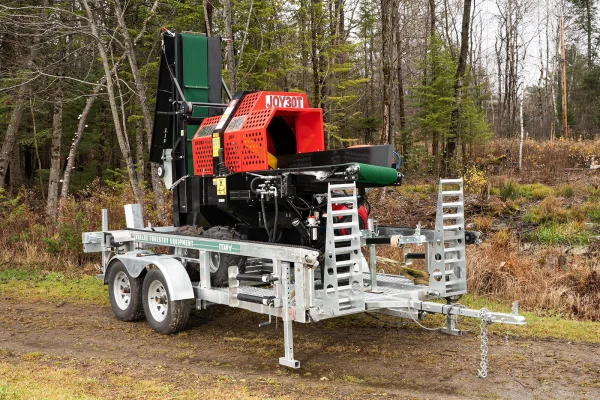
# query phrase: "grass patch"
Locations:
[[53, 287], [572, 234], [592, 210], [549, 210], [28, 380], [565, 191], [512, 190]]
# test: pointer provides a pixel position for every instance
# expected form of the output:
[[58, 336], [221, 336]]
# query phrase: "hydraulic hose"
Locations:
[[262, 206], [276, 217]]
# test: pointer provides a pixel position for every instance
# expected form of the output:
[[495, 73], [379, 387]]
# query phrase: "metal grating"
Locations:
[[395, 279], [203, 160], [258, 119], [253, 154], [247, 104], [232, 150], [257, 291]]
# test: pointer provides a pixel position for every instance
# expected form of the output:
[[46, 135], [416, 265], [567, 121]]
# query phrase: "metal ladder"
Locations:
[[343, 278], [448, 265]]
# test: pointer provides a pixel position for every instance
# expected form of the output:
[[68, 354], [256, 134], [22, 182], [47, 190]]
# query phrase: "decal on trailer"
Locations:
[[221, 184], [185, 242], [284, 101]]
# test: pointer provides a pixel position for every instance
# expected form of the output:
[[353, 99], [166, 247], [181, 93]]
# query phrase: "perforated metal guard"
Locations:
[[258, 119], [248, 104], [203, 161]]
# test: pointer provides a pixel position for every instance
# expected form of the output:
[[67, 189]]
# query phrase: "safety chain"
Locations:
[[178, 181], [483, 337]]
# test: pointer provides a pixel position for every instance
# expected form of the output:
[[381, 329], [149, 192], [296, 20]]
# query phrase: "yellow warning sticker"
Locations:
[[221, 185], [216, 146]]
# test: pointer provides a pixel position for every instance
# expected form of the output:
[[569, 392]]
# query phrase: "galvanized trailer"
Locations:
[[280, 280]]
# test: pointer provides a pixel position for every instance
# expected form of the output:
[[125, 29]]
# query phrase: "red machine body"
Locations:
[[265, 125]]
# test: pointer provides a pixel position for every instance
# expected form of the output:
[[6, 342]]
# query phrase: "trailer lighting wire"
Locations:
[[399, 163]]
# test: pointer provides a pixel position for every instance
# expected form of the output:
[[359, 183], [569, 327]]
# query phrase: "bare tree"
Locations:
[[57, 130], [141, 95], [17, 112], [123, 143], [227, 18], [387, 50], [459, 81], [88, 107]]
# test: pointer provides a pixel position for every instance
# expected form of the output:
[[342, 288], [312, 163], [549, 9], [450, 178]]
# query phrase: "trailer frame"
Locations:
[[290, 290]]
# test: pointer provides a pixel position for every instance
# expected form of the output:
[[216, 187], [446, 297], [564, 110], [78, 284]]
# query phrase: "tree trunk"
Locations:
[[75, 144], [141, 95], [11, 133], [52, 203], [208, 16], [123, 144], [387, 11], [454, 136], [435, 138], [401, 106], [16, 170], [15, 119], [588, 30], [140, 149], [86, 110], [227, 17]]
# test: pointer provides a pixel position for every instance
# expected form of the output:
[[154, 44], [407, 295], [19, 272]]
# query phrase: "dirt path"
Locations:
[[350, 358]]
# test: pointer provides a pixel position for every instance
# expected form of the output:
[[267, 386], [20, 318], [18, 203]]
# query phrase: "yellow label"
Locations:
[[221, 185], [216, 146]]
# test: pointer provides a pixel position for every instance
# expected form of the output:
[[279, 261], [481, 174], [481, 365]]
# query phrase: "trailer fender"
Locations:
[[176, 277]]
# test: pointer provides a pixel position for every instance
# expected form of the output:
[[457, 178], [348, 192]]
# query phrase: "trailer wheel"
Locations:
[[219, 262], [164, 315], [125, 293]]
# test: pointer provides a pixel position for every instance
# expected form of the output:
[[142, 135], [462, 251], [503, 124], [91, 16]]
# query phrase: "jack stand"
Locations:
[[450, 328], [288, 338]]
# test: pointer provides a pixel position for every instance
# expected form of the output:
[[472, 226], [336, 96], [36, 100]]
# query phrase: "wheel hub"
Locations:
[[122, 290], [158, 300], [215, 260]]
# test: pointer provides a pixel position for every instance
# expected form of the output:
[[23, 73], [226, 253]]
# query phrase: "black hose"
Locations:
[[308, 206], [276, 219], [294, 208], [304, 237], [262, 205]]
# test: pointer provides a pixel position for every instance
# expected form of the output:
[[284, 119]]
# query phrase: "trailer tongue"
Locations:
[[268, 220]]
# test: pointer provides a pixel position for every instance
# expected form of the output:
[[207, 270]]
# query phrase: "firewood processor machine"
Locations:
[[267, 220]]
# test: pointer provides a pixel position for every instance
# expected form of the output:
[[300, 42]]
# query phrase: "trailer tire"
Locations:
[[164, 315], [125, 293], [219, 262]]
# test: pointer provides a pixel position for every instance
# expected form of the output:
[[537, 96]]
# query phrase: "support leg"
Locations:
[[450, 328], [288, 338], [288, 316]]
